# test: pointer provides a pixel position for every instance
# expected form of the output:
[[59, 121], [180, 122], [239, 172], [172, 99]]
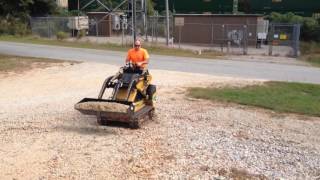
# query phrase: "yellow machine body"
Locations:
[[141, 87]]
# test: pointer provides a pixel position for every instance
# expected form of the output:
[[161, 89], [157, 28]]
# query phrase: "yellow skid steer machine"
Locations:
[[131, 99]]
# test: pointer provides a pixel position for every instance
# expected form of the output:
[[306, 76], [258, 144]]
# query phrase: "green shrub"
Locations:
[[310, 30], [13, 26], [81, 34], [310, 48], [20, 28], [62, 35], [310, 52], [4, 26]]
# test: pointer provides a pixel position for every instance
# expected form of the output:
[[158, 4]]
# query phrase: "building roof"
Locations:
[[224, 15], [98, 12]]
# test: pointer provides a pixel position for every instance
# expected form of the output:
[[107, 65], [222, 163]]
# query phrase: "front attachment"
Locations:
[[111, 110]]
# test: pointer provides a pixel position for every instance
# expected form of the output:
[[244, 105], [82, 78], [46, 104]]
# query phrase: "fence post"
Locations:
[[271, 39], [147, 29], [228, 47], [156, 28], [152, 33], [97, 27], [212, 35], [179, 37], [122, 36], [146, 25], [48, 27], [222, 41], [296, 35], [226, 30], [245, 39]]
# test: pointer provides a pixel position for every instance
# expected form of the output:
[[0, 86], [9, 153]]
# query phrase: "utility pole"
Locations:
[[78, 7], [235, 6], [134, 20], [78, 17], [167, 22], [146, 19]]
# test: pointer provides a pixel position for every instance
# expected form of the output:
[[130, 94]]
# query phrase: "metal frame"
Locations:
[[110, 11]]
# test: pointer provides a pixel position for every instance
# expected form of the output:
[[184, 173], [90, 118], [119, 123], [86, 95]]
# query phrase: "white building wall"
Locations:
[[62, 3]]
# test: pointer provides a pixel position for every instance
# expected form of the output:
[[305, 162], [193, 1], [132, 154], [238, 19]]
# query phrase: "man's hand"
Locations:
[[142, 63], [139, 63]]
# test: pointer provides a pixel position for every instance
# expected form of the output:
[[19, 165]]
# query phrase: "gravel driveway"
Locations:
[[43, 137]]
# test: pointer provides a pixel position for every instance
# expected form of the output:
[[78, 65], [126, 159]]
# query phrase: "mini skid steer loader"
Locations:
[[131, 99]]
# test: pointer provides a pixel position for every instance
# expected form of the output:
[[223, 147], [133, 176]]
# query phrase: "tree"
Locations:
[[15, 14], [26, 8], [285, 18], [150, 7], [43, 8], [15, 8]]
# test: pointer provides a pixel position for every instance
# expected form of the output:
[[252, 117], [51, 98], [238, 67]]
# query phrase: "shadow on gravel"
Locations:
[[98, 130]]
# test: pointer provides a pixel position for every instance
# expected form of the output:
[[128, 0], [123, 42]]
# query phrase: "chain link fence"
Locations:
[[157, 30], [276, 39], [227, 38], [151, 29], [49, 27], [252, 39]]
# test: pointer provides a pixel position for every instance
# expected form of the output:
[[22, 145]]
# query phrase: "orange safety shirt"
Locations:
[[138, 55]]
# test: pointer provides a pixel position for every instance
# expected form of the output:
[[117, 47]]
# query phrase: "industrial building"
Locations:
[[62, 3], [216, 29]]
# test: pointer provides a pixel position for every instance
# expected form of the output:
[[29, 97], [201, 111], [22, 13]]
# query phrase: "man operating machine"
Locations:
[[133, 94]]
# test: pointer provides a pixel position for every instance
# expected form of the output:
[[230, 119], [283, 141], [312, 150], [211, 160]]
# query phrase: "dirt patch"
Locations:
[[15, 64], [43, 137]]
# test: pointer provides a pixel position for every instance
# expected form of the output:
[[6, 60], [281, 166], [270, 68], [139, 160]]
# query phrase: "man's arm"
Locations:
[[146, 55]]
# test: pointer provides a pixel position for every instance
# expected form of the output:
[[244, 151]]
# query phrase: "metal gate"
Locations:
[[283, 36]]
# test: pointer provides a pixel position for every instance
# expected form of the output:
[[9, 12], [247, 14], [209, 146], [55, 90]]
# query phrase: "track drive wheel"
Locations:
[[134, 124], [151, 92]]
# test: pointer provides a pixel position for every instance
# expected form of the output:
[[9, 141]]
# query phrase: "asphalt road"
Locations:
[[245, 69]]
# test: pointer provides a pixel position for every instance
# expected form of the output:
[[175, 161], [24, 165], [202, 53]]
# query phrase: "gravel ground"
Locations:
[[43, 137]]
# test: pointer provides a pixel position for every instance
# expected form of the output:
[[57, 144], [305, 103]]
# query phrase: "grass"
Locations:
[[315, 60], [109, 46], [278, 96], [310, 52], [19, 64]]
